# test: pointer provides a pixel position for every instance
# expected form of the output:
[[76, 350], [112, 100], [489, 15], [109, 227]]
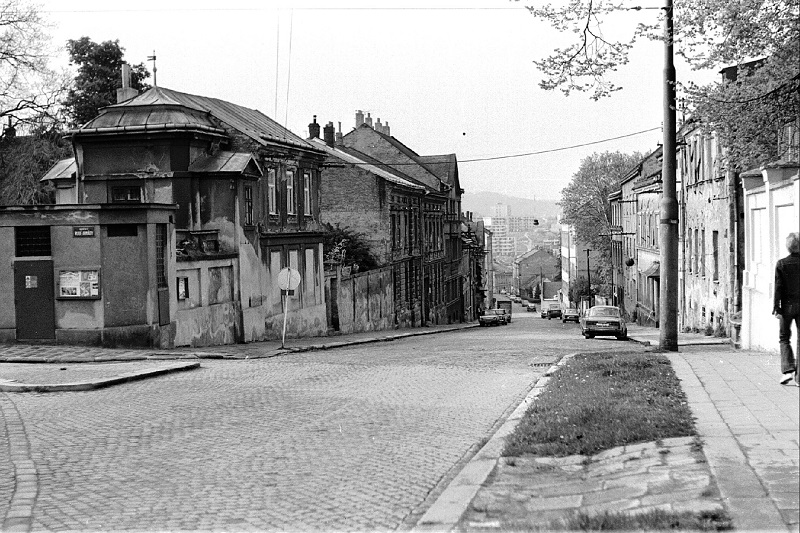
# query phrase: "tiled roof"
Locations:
[[182, 108]]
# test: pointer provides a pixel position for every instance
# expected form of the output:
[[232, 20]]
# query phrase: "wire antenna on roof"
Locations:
[[153, 59]]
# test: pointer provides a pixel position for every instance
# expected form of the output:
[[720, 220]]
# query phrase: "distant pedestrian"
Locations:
[[787, 306]]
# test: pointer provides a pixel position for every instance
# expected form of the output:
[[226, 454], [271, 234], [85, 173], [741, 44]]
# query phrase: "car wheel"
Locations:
[[622, 337], [588, 335]]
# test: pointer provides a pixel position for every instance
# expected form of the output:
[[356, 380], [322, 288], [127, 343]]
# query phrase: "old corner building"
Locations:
[[170, 226]]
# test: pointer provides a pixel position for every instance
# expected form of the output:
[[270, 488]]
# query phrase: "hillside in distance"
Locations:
[[482, 205]]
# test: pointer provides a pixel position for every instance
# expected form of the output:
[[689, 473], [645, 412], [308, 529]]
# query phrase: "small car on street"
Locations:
[[570, 314], [531, 307], [603, 320], [493, 317]]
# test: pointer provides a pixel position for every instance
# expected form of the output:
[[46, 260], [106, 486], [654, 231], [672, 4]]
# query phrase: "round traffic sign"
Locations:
[[288, 279]]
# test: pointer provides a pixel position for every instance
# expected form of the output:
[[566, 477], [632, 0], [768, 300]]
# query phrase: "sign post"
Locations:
[[288, 280]]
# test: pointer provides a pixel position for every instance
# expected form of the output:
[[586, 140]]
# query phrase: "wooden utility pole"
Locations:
[[668, 227]]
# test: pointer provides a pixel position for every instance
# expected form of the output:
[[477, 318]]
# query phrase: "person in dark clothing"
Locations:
[[787, 306]]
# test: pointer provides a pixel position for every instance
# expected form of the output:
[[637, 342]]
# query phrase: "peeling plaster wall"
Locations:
[[366, 301], [209, 315]]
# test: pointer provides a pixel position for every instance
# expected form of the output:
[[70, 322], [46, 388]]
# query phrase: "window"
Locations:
[[183, 288], [122, 230], [702, 268], [161, 256], [715, 256], [32, 241], [696, 256], [272, 198], [291, 193], [691, 252], [248, 206], [307, 193], [126, 194]]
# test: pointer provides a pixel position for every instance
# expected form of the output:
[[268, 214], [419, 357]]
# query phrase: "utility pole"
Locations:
[[589, 278], [668, 227]]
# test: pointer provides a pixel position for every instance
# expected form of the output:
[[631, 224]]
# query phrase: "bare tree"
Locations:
[[30, 92]]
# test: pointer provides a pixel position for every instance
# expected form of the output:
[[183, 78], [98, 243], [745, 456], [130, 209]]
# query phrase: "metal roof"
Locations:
[[64, 169], [354, 160], [235, 162], [193, 108]]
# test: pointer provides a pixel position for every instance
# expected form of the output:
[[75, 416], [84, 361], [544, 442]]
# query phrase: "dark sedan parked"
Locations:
[[493, 317], [603, 320]]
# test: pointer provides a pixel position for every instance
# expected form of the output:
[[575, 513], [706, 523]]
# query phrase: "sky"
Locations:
[[448, 76]]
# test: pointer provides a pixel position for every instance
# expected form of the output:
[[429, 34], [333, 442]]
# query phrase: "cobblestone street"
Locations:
[[356, 438]]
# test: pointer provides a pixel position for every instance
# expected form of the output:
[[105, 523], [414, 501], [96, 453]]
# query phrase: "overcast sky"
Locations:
[[448, 76]]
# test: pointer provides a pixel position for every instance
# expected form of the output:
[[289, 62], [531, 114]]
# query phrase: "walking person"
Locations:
[[787, 306]]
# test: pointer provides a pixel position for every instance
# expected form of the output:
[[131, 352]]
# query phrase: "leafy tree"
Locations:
[[748, 113], [29, 90], [585, 204], [347, 247], [98, 78], [24, 160], [579, 289]]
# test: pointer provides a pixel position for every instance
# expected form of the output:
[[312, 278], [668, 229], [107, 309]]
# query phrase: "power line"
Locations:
[[558, 149]]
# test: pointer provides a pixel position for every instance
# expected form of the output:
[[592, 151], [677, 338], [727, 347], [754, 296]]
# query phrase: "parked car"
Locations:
[[531, 307], [570, 314], [604, 320], [553, 311], [493, 317], [516, 299]]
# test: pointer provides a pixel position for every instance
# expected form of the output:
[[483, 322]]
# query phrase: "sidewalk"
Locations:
[[748, 425]]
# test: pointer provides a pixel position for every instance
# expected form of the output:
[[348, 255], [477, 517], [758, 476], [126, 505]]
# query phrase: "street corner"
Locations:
[[48, 377]]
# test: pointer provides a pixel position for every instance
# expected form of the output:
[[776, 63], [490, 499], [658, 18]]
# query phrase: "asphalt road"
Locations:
[[356, 438]]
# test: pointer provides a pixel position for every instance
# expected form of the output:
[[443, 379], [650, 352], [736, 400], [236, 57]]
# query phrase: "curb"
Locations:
[[167, 356], [8, 386], [445, 513]]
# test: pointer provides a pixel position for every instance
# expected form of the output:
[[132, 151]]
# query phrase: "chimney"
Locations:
[[328, 133], [359, 118], [386, 129], [126, 92], [368, 120], [9, 132], [338, 138], [313, 129], [378, 126]]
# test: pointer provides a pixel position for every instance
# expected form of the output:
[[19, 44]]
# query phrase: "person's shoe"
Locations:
[[787, 377]]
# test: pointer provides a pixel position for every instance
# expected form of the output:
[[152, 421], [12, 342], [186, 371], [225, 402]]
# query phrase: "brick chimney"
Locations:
[[328, 132], [378, 126], [313, 129], [359, 118], [126, 92], [386, 130], [338, 138], [368, 120]]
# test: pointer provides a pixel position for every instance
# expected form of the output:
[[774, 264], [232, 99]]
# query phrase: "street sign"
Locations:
[[288, 279]]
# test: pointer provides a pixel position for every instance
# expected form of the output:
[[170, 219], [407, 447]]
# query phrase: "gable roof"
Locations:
[[160, 105], [357, 159], [417, 169], [63, 169], [444, 166], [227, 162]]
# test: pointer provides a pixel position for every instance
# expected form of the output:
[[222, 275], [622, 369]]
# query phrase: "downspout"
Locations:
[[734, 278]]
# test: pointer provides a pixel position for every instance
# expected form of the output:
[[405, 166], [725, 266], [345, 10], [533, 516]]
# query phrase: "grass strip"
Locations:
[[599, 401], [656, 520]]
